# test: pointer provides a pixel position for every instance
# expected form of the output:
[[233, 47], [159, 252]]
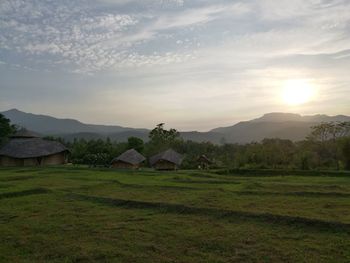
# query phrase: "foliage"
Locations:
[[136, 143], [6, 129], [327, 147], [329, 131], [162, 139], [161, 135], [345, 150], [93, 152], [326, 137]]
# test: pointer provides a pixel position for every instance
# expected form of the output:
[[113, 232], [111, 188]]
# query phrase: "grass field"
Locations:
[[72, 214]]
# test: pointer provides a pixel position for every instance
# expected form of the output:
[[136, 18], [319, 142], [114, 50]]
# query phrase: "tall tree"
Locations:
[[160, 138], [326, 135], [135, 143], [6, 129], [159, 134], [329, 131], [345, 150]]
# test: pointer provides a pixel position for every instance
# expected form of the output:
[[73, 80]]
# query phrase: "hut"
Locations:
[[204, 162], [26, 148], [131, 159], [168, 160]]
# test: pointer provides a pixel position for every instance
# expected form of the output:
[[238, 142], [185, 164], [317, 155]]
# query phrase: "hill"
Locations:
[[275, 125], [49, 125], [272, 125]]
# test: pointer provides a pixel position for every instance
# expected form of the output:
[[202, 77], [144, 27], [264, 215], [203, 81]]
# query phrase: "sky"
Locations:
[[193, 64]]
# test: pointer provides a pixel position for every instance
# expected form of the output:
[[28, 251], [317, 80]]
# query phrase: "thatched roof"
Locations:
[[130, 156], [24, 133], [169, 155], [204, 158], [31, 148]]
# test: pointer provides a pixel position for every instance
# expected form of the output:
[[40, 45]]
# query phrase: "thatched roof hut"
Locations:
[[25, 148], [204, 162], [24, 133], [167, 160], [131, 159]]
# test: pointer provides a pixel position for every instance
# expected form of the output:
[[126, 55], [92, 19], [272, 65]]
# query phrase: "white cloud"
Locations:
[[89, 40]]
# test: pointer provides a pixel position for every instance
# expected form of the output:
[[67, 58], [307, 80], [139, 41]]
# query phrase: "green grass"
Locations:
[[72, 214]]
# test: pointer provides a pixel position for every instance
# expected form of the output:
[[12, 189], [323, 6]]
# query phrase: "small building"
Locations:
[[26, 148], [204, 162], [168, 160], [131, 159]]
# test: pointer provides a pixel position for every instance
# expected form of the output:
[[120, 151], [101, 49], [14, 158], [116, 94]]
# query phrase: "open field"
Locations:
[[72, 214]]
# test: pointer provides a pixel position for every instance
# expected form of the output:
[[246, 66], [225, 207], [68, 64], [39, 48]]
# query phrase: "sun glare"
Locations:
[[297, 91]]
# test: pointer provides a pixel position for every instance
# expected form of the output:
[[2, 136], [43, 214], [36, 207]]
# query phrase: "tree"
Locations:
[[6, 129], [135, 143], [160, 138], [345, 150], [326, 135], [329, 131], [161, 135]]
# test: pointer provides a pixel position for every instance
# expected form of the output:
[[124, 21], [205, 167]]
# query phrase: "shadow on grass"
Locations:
[[34, 191], [306, 194], [6, 218], [166, 187], [281, 172], [17, 178], [134, 186], [216, 213], [181, 180]]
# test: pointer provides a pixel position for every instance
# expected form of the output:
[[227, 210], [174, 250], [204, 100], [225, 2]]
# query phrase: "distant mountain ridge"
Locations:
[[283, 117], [51, 125], [271, 125], [275, 125]]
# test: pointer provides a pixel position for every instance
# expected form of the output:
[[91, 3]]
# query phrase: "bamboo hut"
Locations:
[[204, 162], [131, 159], [168, 160], [26, 148]]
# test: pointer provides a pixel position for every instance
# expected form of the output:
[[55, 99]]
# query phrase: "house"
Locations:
[[131, 159], [26, 148], [168, 160], [203, 162]]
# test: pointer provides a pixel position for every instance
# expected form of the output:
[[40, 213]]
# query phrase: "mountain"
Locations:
[[272, 125], [49, 125], [284, 117], [275, 125], [70, 129]]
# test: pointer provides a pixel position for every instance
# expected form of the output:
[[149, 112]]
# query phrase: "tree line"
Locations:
[[326, 147]]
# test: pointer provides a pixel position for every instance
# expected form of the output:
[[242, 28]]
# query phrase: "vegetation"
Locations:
[[6, 129], [136, 143], [327, 147], [161, 139], [73, 214]]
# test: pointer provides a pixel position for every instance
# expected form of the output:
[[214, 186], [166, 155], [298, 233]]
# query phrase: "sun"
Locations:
[[297, 91]]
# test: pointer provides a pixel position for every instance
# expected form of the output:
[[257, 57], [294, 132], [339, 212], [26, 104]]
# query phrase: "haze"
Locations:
[[193, 64]]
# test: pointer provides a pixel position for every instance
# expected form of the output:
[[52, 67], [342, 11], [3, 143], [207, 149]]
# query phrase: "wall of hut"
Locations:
[[54, 159], [8, 161], [123, 165], [164, 165]]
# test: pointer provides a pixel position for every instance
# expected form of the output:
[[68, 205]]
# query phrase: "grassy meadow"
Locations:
[[68, 214]]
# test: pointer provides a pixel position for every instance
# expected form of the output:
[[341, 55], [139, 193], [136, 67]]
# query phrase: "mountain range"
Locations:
[[272, 125]]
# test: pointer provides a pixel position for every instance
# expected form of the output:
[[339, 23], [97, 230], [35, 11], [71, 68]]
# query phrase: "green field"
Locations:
[[72, 214]]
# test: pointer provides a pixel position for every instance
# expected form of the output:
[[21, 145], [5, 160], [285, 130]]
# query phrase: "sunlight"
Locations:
[[297, 91]]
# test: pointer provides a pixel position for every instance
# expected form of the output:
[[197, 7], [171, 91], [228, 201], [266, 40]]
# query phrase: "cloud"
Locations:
[[89, 39], [177, 57]]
